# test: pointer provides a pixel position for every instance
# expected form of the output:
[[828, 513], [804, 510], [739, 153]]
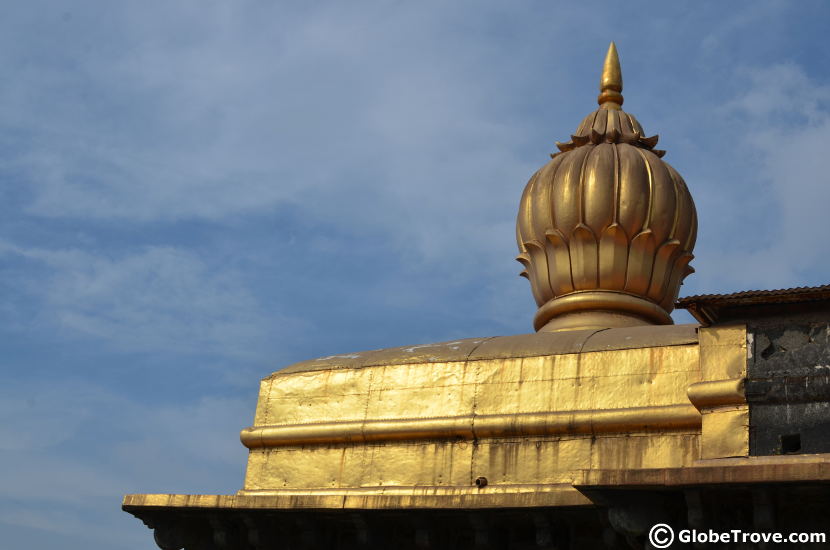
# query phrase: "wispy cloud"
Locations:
[[69, 449], [784, 118], [196, 193], [157, 298]]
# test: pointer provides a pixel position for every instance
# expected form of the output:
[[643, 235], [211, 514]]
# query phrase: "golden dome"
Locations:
[[606, 229]]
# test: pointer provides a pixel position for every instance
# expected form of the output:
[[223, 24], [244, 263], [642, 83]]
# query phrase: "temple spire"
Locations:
[[611, 83], [617, 234]]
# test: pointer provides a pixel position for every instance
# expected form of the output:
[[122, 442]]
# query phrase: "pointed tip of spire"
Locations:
[[611, 73], [611, 83]]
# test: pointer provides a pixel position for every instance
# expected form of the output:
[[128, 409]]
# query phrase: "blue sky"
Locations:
[[195, 194]]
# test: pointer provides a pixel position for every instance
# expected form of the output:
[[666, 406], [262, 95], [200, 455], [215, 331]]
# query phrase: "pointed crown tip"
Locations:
[[611, 83]]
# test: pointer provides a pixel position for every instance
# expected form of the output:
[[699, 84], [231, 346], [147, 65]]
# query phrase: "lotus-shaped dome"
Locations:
[[606, 229]]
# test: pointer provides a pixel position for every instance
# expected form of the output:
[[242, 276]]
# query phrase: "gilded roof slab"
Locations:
[[505, 347]]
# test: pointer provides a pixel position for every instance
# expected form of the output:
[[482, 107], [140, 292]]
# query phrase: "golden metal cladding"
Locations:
[[723, 351], [716, 393], [470, 427], [605, 387], [535, 415], [770, 469], [606, 229], [720, 397], [585, 308], [382, 425], [516, 496], [504, 347], [726, 471]]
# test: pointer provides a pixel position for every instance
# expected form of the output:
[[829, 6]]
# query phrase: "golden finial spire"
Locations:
[[608, 244], [610, 85]]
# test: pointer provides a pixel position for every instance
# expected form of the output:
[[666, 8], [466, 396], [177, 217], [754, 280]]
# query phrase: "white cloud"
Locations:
[[210, 123], [157, 298], [786, 119], [69, 450], [411, 127], [40, 419], [780, 89], [46, 454]]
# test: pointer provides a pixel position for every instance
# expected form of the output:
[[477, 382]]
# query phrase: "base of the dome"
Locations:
[[598, 309]]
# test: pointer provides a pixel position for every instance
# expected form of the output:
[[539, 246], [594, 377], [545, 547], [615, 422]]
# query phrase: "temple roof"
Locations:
[[504, 347], [711, 308], [777, 296]]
